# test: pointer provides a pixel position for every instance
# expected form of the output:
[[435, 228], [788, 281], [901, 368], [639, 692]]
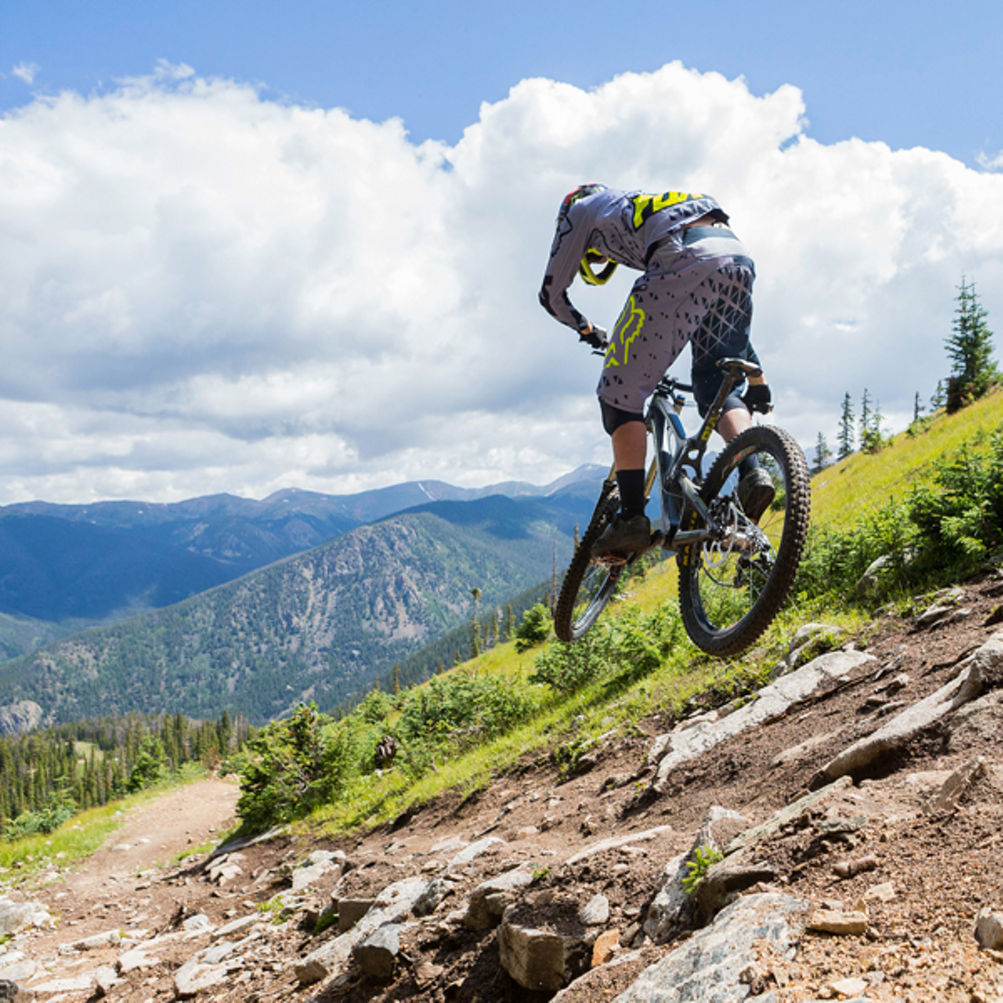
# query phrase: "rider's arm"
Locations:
[[565, 254]]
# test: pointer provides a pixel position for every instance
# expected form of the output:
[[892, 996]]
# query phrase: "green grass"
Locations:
[[867, 481]]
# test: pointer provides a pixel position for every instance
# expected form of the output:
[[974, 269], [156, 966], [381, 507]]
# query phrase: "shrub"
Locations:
[[534, 628], [290, 767]]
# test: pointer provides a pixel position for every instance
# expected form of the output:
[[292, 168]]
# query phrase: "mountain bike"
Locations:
[[734, 572]]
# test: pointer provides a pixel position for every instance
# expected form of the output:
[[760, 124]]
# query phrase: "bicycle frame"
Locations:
[[678, 459]]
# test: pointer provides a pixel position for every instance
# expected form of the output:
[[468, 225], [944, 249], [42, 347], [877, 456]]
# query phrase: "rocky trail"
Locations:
[[847, 823]]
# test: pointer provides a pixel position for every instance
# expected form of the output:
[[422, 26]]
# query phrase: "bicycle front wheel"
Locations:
[[731, 587], [588, 584]]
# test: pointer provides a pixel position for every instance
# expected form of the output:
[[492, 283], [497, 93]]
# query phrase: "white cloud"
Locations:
[[26, 72], [203, 291]]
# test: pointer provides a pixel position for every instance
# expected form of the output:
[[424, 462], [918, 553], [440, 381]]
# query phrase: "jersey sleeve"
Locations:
[[567, 251]]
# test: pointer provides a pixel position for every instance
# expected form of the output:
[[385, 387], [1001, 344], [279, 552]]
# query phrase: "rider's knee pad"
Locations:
[[613, 417]]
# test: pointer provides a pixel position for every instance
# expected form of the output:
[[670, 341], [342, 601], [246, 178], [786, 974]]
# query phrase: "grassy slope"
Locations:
[[839, 494]]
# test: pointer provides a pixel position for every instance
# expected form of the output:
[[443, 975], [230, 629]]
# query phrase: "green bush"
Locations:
[[618, 649], [290, 767], [534, 627], [58, 807]]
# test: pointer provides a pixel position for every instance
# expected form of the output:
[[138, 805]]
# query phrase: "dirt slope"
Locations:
[[937, 867]]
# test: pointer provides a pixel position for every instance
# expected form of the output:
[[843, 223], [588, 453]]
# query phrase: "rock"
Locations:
[[194, 976], [350, 911], [391, 906], [837, 921], [235, 926], [724, 881], [377, 954], [17, 971], [989, 929], [710, 964], [542, 960], [429, 900], [771, 701], [17, 916], [132, 960], [606, 945], [107, 939], [73, 984], [197, 925], [671, 907], [11, 992], [843, 988], [488, 901], [595, 912], [105, 979], [225, 868], [473, 851], [319, 864], [885, 892], [849, 868], [982, 669], [615, 842]]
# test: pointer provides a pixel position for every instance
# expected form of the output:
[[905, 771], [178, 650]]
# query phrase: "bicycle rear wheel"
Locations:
[[731, 588], [588, 584]]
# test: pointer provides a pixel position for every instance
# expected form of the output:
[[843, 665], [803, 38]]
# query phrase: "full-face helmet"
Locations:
[[592, 256]]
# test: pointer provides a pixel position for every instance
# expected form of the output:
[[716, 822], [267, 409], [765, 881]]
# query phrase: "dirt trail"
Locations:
[[122, 874]]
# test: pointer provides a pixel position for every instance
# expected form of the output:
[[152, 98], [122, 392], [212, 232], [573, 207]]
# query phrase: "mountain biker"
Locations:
[[695, 288]]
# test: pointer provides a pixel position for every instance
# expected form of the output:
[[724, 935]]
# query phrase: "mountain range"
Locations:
[[322, 623]]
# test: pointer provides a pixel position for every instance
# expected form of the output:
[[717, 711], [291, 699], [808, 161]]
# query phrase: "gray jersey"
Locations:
[[623, 226]]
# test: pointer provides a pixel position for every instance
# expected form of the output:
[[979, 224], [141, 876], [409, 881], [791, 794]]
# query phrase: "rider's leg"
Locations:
[[630, 532]]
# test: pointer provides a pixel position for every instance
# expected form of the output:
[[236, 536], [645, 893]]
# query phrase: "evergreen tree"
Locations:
[[865, 416], [970, 349], [871, 438], [937, 400], [823, 454], [917, 408], [845, 437]]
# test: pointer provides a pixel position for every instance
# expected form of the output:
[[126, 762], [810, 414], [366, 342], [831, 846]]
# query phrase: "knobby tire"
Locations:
[[588, 585], [756, 591]]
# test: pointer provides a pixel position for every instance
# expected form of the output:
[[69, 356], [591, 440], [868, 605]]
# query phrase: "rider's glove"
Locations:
[[758, 398], [596, 337]]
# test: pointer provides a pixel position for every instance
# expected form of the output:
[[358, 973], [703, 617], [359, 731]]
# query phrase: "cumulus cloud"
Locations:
[[203, 290]]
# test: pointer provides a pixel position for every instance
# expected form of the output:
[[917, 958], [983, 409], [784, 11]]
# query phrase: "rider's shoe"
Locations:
[[624, 537], [755, 493]]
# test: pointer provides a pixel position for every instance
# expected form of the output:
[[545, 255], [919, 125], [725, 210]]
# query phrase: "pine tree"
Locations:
[[970, 349], [823, 454], [865, 416], [937, 400], [872, 439], [845, 437], [917, 408]]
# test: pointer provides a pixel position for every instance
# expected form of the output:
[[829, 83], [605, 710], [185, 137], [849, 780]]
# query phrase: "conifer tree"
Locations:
[[937, 400], [970, 349], [845, 437], [823, 454]]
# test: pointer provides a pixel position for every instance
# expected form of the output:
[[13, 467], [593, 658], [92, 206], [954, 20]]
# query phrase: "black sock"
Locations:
[[749, 463], [631, 485]]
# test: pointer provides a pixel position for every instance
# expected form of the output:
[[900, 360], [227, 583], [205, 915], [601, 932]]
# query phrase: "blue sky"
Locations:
[[907, 73], [251, 246]]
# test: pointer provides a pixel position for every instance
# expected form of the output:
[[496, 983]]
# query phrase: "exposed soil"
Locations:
[[935, 870]]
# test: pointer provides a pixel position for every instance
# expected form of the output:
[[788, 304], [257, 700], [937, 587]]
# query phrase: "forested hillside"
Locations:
[[322, 625], [64, 568]]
